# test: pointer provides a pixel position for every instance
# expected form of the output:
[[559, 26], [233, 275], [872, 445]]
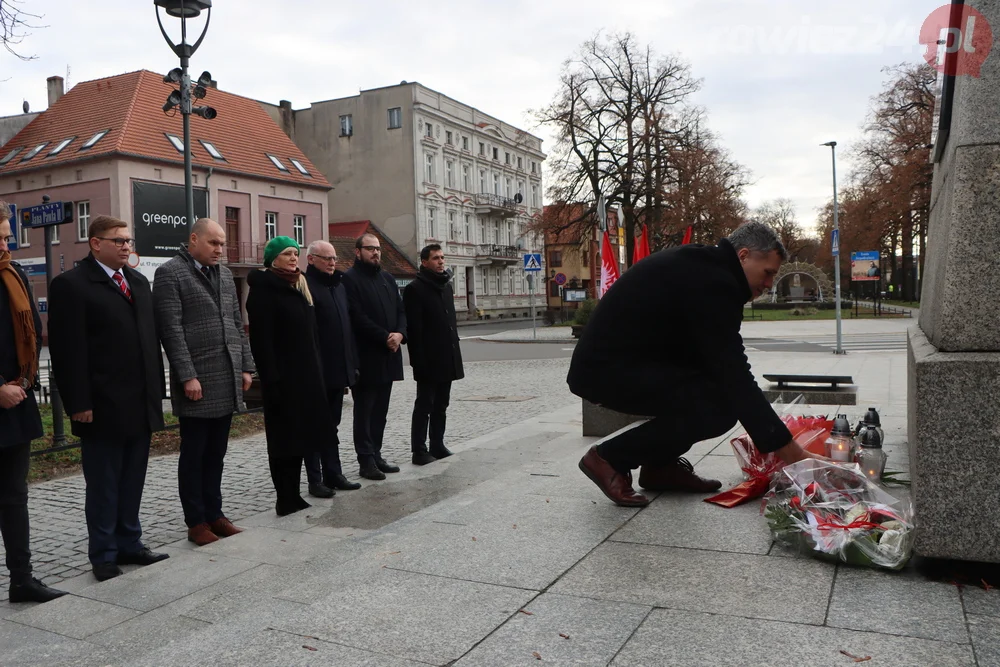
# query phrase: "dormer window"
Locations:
[[94, 139], [277, 163], [60, 146], [34, 151]]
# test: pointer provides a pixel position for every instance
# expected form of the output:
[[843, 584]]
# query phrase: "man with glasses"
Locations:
[[339, 356], [20, 423], [379, 323], [107, 364]]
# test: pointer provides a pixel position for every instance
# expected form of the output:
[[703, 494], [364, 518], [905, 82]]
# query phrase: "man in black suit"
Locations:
[[107, 363], [338, 352], [665, 341], [20, 423], [435, 353], [379, 323]]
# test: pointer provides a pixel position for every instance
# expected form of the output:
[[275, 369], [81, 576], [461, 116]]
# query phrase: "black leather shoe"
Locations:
[[422, 458], [32, 590], [341, 483], [141, 557], [105, 571], [386, 466], [440, 452], [371, 472], [321, 491]]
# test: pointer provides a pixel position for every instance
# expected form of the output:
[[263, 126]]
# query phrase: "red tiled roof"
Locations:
[[343, 235], [130, 107]]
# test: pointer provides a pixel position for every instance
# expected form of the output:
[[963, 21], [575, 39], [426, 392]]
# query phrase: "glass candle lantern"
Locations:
[[870, 455], [839, 448]]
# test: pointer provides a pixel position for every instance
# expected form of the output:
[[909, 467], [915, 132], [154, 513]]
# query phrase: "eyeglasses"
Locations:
[[327, 258], [372, 248], [119, 242]]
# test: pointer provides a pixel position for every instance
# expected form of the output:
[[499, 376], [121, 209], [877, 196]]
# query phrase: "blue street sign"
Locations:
[[533, 261], [865, 256], [12, 245], [836, 242], [43, 304], [43, 215]]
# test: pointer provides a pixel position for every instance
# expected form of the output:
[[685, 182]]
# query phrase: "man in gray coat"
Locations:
[[200, 325]]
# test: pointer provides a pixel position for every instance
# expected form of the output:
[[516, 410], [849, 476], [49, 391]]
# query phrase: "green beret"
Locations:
[[276, 246]]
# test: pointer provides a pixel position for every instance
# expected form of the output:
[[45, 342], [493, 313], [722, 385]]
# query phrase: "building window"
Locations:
[[270, 225], [482, 230], [299, 229], [447, 137], [82, 220], [506, 158], [486, 282], [212, 150], [496, 184], [496, 284], [482, 181], [450, 174], [468, 228], [93, 140], [520, 189], [509, 191], [395, 118], [510, 233], [585, 256], [429, 131], [431, 227], [34, 151], [277, 163], [482, 148], [534, 196], [176, 142], [555, 258], [520, 162], [452, 228], [429, 168], [23, 239], [465, 177], [496, 153], [465, 143], [60, 146], [346, 126], [553, 289], [298, 165], [496, 232]]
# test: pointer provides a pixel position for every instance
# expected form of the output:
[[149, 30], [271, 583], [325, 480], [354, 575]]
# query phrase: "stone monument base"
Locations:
[[954, 440]]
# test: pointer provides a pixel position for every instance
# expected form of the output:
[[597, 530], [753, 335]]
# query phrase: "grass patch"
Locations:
[[798, 314], [168, 441], [904, 304]]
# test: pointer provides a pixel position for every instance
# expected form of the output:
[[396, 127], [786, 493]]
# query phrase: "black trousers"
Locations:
[[115, 472], [429, 410], [680, 420], [14, 462], [286, 473], [371, 405], [321, 466], [204, 443]]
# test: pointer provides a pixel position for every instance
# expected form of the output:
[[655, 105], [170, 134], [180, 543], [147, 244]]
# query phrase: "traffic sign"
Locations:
[[533, 261], [835, 237], [43, 215], [560, 279]]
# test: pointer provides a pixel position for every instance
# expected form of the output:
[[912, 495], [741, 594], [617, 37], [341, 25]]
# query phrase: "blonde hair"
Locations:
[[303, 287], [4, 211]]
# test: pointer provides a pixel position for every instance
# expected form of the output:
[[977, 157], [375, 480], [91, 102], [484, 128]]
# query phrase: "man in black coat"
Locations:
[[379, 323], [665, 341], [339, 356], [107, 363], [20, 423], [435, 353]]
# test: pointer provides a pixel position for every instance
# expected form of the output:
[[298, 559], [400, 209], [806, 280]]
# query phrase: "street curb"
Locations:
[[561, 341]]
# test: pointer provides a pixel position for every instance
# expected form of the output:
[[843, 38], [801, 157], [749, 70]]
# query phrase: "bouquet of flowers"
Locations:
[[758, 467], [835, 513]]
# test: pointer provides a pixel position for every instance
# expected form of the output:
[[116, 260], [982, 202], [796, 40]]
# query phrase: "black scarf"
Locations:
[[323, 278], [434, 279]]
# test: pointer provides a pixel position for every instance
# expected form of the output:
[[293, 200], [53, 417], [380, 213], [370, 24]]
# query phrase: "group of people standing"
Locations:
[[313, 335]]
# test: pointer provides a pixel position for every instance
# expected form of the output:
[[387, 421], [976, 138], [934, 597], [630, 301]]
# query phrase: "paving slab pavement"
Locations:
[[505, 554]]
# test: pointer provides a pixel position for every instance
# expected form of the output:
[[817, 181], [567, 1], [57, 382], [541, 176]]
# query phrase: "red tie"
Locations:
[[120, 279]]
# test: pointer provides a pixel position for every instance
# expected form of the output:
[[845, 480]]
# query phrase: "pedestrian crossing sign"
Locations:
[[533, 261]]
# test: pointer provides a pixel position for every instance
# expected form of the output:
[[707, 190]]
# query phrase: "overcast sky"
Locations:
[[780, 76]]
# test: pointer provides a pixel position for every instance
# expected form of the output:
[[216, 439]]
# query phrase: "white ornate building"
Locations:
[[426, 168]]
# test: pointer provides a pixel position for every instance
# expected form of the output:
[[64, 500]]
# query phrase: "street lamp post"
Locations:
[[836, 247], [185, 9]]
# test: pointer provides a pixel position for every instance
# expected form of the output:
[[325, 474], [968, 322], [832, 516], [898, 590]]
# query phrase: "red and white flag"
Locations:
[[609, 265], [641, 247]]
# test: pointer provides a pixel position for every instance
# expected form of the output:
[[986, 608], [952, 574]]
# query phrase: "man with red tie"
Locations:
[[107, 364]]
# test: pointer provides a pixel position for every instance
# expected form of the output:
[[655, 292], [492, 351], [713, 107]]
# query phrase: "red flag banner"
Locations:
[[641, 245], [609, 265], [687, 236]]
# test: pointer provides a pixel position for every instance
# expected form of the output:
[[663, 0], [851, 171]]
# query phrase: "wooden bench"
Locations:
[[832, 389]]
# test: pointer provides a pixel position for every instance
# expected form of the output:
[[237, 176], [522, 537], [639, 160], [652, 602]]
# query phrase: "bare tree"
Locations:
[[779, 215], [14, 26]]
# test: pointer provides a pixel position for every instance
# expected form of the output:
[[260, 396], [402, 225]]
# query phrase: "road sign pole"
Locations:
[[836, 253], [531, 301], [58, 432]]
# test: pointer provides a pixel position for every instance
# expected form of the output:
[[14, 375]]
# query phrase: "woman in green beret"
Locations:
[[284, 340]]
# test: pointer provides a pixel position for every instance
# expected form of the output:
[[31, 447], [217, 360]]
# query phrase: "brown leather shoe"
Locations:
[[677, 476], [613, 484], [201, 535], [223, 527]]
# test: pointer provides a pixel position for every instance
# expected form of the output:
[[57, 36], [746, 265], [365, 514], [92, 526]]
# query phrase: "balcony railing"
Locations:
[[491, 203], [249, 254], [493, 251]]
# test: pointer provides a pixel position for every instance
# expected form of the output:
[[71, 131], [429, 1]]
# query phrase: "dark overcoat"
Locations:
[[668, 332], [286, 350], [432, 328], [376, 311], [21, 423], [201, 327], [337, 349], [105, 352]]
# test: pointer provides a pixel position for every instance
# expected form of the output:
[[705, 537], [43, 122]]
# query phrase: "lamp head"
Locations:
[[172, 101], [205, 79], [183, 9], [174, 76], [831, 144]]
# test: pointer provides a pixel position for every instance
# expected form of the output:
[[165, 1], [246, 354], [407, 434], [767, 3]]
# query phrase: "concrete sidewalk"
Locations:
[[506, 555]]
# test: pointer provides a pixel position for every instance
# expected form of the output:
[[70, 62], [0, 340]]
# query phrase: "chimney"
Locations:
[[287, 118], [55, 89]]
